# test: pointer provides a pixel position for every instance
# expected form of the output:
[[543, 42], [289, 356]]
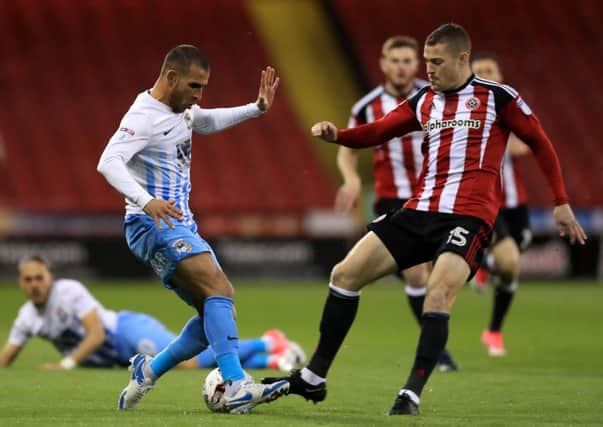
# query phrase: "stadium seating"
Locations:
[[547, 49], [70, 70]]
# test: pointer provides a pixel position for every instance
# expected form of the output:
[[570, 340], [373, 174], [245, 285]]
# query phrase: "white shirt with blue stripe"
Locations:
[[149, 155]]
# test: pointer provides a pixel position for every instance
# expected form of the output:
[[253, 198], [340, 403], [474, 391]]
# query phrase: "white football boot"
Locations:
[[251, 394], [138, 386]]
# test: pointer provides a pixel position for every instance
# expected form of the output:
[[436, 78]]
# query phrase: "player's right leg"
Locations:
[[416, 287], [146, 369], [368, 261]]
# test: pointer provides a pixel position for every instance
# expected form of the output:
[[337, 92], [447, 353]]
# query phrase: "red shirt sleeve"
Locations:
[[398, 122], [518, 117]]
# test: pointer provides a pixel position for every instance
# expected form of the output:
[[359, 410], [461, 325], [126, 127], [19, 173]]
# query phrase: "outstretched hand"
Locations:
[[325, 130], [567, 224], [268, 86]]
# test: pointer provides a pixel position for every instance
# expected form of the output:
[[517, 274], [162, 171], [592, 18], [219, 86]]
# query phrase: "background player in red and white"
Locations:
[[512, 228], [466, 121], [397, 163]]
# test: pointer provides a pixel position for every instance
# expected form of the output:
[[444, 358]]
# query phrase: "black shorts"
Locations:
[[414, 237], [514, 223], [385, 206]]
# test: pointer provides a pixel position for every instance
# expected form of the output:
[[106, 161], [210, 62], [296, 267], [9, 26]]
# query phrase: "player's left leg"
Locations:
[[416, 278], [506, 267], [449, 274], [457, 257], [209, 290]]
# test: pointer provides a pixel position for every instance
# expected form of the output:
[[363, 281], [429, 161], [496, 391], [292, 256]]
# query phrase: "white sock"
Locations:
[[415, 292], [413, 396], [344, 292], [509, 288], [310, 377], [148, 372], [490, 262], [233, 388]]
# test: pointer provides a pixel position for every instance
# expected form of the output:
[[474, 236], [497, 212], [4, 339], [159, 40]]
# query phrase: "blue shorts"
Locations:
[[164, 249], [139, 333]]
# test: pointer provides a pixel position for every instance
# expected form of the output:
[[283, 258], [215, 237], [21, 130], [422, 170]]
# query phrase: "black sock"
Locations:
[[337, 318], [416, 298], [434, 334], [502, 302]]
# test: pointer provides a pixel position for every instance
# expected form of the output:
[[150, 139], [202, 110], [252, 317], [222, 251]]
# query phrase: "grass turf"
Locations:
[[553, 374]]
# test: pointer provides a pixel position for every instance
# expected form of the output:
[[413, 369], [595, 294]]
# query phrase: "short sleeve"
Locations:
[[21, 330], [78, 299]]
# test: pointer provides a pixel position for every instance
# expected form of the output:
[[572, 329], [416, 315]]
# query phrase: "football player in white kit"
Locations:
[[66, 314], [148, 161]]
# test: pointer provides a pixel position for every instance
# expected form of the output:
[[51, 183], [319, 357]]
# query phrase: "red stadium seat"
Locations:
[[71, 70]]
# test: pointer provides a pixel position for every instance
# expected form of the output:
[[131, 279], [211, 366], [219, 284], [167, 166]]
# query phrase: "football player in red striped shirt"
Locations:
[[511, 230], [466, 123], [397, 163]]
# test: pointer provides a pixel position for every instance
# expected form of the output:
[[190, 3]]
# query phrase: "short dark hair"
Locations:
[[182, 57], [478, 56], [451, 34], [34, 257], [399, 41]]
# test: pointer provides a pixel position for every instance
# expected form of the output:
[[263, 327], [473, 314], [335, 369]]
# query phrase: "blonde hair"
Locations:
[[399, 41]]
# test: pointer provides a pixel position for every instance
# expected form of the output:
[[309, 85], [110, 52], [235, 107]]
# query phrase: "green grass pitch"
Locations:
[[553, 374]]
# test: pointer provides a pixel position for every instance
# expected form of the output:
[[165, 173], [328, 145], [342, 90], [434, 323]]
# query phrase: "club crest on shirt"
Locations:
[[182, 246], [183, 155], [472, 103], [188, 118]]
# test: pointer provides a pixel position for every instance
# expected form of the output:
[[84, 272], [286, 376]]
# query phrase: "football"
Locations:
[[213, 391]]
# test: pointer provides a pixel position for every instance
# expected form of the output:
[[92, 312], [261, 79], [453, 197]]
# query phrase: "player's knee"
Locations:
[[342, 277], [416, 278], [212, 283], [507, 263]]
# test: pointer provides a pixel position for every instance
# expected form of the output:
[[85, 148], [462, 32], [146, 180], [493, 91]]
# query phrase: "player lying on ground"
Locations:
[[397, 163], [87, 334], [466, 122]]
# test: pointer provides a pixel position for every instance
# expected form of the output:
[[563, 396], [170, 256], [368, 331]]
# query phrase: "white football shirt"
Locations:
[[59, 321], [149, 155]]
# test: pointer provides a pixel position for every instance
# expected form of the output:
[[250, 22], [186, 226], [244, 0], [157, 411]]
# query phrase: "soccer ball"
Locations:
[[213, 391]]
